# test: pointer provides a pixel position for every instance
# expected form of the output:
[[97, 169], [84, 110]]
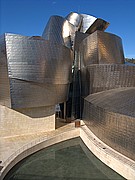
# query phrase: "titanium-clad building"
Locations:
[[59, 30], [101, 48], [34, 70], [110, 115], [76, 63]]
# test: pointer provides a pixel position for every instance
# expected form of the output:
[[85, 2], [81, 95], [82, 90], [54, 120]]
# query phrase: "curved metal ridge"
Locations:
[[39, 61], [62, 30], [45, 62], [38, 72], [59, 30], [101, 48]]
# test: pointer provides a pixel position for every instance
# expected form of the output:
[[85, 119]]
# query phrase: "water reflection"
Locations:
[[69, 160]]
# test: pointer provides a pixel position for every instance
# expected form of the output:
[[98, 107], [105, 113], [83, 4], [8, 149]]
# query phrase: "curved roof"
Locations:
[[120, 100]]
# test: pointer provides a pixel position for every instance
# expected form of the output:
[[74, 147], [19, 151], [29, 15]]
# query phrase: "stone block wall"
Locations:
[[26, 121]]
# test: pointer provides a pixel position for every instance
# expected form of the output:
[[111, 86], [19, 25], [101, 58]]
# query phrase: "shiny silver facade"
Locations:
[[37, 72], [104, 88], [110, 115], [91, 51], [75, 19], [99, 24], [86, 23], [73, 61], [101, 48], [40, 66], [62, 30], [59, 30], [97, 78], [4, 79], [79, 37]]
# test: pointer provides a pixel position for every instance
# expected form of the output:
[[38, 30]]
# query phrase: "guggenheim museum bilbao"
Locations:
[[74, 64]]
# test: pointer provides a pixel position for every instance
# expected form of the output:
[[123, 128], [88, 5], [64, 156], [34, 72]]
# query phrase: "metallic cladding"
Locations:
[[53, 30], [110, 48], [75, 19], [101, 48], [79, 37], [113, 120], [4, 80], [97, 78], [88, 20], [74, 53], [38, 61], [89, 50], [26, 94], [86, 23], [124, 95], [36, 69], [99, 24], [62, 30], [59, 30]]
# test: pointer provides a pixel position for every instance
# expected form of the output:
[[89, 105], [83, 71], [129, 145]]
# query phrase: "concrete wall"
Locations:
[[27, 121], [37, 145]]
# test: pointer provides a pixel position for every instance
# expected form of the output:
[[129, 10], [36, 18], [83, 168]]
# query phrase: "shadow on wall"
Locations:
[[37, 112]]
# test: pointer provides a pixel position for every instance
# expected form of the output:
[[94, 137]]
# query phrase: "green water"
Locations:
[[69, 160]]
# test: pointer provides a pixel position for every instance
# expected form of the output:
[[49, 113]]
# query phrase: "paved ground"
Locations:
[[9, 145]]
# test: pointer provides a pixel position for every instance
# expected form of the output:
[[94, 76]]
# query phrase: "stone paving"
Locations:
[[15, 148], [9, 145]]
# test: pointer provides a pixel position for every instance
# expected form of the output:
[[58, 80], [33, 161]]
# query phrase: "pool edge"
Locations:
[[113, 159]]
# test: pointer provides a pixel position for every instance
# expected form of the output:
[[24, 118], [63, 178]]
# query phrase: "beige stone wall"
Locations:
[[27, 121]]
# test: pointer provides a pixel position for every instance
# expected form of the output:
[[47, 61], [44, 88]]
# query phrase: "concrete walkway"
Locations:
[[14, 149], [9, 145]]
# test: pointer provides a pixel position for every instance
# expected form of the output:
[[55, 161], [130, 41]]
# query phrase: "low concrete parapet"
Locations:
[[116, 161], [35, 146]]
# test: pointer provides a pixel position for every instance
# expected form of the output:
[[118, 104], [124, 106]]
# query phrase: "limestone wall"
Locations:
[[27, 121]]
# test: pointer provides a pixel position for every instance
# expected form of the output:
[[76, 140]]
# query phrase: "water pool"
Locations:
[[68, 160]]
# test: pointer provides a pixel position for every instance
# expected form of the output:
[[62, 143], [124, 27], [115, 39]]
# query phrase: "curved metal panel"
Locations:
[[59, 30], [38, 71], [99, 24], [62, 30], [37, 60], [120, 100], [111, 116], [53, 30], [4, 80], [75, 19], [110, 48], [101, 48], [79, 37], [87, 22], [97, 78], [25, 94]]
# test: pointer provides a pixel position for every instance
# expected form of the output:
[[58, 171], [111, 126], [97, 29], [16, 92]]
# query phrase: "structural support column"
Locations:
[[64, 110]]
